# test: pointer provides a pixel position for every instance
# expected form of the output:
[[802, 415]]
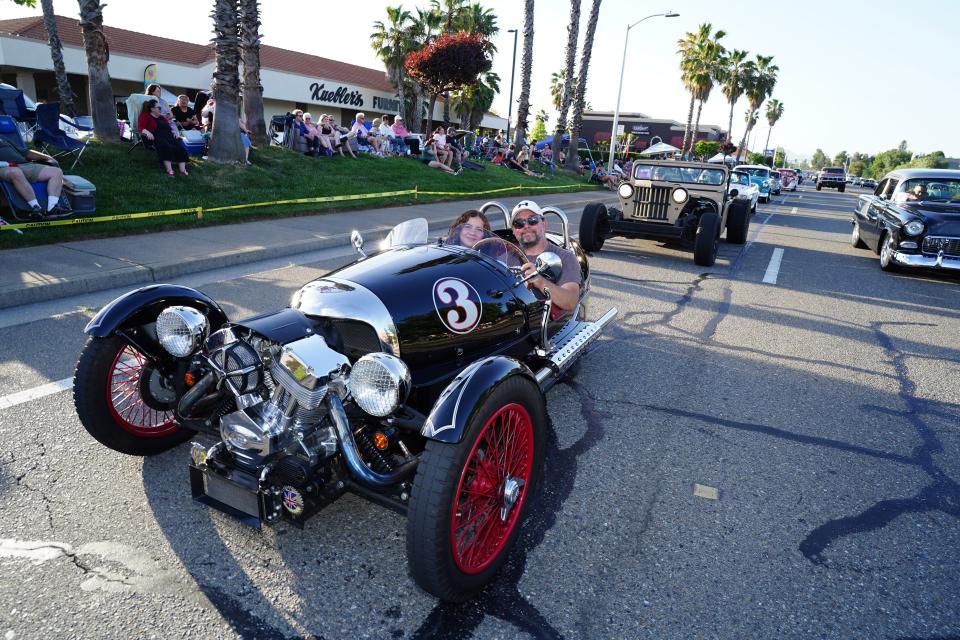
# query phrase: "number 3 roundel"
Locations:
[[457, 303]]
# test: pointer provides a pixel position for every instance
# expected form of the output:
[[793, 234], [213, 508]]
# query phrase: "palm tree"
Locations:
[[573, 156], [392, 42], [573, 29], [699, 57], [732, 71], [449, 12], [526, 72], [472, 102], [424, 28], [102, 109], [476, 19], [758, 85], [226, 145], [249, 14], [56, 53], [558, 84], [774, 111]]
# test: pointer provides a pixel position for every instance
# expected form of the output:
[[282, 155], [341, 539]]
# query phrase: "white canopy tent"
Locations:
[[720, 158], [660, 148]]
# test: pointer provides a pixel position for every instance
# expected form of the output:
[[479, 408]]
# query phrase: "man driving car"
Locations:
[[530, 230]]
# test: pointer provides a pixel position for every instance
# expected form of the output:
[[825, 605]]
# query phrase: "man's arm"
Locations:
[[564, 296], [36, 156]]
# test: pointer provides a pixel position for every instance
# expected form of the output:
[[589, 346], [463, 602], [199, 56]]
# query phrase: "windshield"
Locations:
[[738, 177], [929, 190], [838, 170], [757, 172], [409, 232], [690, 175]]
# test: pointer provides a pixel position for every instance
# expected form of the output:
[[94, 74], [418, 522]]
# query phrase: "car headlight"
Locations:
[[625, 190], [180, 330], [913, 228], [679, 195], [379, 383], [766, 183]]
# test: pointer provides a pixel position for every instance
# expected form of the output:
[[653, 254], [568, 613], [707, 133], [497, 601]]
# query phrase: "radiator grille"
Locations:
[[653, 203], [359, 338], [936, 244]]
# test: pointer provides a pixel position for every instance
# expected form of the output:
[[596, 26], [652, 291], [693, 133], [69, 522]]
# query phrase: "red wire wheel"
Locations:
[[125, 398], [492, 489]]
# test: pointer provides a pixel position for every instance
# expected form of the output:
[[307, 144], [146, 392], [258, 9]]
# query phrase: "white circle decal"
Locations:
[[465, 314]]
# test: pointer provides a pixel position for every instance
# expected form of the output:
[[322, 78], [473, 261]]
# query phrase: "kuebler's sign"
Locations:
[[351, 97]]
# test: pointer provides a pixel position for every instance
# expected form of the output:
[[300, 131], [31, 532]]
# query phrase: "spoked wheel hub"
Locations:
[[136, 396]]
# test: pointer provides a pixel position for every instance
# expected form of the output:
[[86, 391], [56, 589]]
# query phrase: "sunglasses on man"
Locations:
[[531, 221]]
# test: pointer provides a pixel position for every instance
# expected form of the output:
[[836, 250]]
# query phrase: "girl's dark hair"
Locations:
[[466, 215], [150, 89], [147, 106]]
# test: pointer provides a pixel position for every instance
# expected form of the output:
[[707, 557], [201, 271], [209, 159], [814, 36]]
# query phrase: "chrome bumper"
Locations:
[[930, 262]]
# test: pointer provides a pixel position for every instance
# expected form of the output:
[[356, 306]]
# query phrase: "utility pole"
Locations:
[[513, 68]]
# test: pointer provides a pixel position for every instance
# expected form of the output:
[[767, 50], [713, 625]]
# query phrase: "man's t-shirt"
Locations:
[[182, 115], [9, 153]]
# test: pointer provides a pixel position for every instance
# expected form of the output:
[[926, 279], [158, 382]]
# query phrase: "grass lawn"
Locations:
[[132, 181]]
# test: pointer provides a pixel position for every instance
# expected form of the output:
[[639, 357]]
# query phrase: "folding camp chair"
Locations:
[[11, 133], [12, 104], [49, 135]]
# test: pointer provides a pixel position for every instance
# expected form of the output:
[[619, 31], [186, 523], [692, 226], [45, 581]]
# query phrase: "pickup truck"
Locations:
[[833, 177]]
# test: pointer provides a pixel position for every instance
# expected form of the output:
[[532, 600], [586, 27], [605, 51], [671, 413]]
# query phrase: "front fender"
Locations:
[[465, 394], [143, 305]]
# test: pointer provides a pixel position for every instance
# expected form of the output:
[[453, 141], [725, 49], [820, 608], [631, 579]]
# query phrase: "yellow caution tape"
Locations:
[[200, 211]]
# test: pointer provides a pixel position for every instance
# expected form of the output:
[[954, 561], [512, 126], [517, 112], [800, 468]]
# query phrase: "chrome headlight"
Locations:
[[913, 228], [625, 190], [180, 330], [766, 183], [379, 383], [679, 195]]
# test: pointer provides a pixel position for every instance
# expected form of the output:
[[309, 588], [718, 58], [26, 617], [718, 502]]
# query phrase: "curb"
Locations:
[[143, 275]]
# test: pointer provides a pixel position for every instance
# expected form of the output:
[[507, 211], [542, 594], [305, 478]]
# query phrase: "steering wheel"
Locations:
[[510, 247]]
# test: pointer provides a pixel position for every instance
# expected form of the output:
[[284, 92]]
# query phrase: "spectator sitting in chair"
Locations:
[[457, 150], [344, 136], [184, 115], [206, 115], [156, 128], [20, 169], [362, 133], [546, 157], [428, 155], [387, 135], [510, 161], [312, 134]]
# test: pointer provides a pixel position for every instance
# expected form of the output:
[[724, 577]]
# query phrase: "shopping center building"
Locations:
[[290, 79], [598, 125]]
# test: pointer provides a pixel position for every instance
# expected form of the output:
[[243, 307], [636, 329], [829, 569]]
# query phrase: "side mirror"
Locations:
[[549, 265], [357, 241]]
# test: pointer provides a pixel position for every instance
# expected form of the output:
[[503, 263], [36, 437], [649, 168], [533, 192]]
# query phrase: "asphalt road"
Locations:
[[822, 406]]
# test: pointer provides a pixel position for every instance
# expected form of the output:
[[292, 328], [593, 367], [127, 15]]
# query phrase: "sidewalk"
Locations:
[[48, 272]]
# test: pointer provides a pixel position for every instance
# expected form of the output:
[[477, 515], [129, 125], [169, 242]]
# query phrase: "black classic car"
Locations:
[[414, 377], [912, 219], [687, 202]]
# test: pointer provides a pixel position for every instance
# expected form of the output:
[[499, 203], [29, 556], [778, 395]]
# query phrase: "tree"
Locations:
[[249, 17], [733, 68], [840, 159], [392, 41], [102, 109], [450, 61], [819, 160], [26, 3], [573, 29], [756, 157], [56, 54], [573, 154], [699, 60], [779, 158], [539, 131], [225, 144], [706, 149], [774, 113], [526, 73], [758, 85], [473, 101]]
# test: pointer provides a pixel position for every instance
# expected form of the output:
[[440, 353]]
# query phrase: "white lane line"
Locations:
[[770, 277], [793, 210], [27, 395]]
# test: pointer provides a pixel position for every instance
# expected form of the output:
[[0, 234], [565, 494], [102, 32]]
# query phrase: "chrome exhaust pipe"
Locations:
[[567, 352], [363, 473]]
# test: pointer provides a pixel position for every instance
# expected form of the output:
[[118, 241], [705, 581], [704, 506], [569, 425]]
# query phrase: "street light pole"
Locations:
[[623, 64], [513, 69]]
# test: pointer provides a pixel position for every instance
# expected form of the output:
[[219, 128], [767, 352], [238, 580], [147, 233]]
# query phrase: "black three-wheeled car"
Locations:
[[414, 376]]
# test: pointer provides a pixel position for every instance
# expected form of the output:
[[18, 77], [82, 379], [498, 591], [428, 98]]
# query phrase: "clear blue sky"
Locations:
[[854, 75]]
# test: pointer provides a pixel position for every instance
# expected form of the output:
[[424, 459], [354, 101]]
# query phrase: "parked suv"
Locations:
[[833, 177], [688, 202]]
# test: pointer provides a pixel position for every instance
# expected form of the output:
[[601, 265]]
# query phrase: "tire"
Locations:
[[819, 187], [753, 209], [593, 224], [764, 199], [705, 242], [886, 253], [738, 222], [855, 240], [440, 502], [842, 188], [108, 387]]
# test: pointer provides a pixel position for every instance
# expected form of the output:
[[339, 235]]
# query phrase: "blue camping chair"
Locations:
[[13, 104], [49, 135], [11, 133]]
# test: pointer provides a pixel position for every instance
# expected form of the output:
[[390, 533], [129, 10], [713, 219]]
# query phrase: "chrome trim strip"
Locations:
[[567, 352], [916, 260], [349, 301]]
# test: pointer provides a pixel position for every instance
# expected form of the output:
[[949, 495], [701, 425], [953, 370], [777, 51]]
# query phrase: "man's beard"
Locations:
[[526, 244]]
